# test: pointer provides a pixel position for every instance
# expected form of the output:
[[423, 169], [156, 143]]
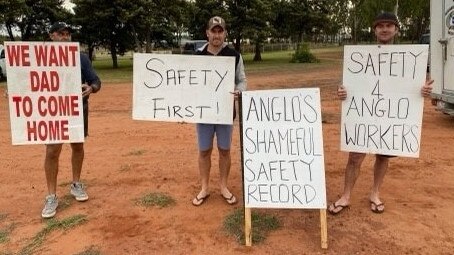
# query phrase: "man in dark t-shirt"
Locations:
[[61, 32]]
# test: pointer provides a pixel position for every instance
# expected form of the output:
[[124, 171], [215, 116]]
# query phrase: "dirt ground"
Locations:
[[126, 159]]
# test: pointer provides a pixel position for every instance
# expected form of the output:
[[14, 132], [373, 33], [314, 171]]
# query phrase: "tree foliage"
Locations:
[[142, 25]]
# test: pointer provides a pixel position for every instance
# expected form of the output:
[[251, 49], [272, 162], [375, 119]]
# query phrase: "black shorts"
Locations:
[[85, 106]]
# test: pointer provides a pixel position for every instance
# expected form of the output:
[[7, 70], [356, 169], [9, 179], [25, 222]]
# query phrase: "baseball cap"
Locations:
[[216, 21], [386, 17], [59, 26]]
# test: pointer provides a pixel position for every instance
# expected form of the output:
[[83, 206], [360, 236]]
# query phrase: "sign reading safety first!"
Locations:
[[183, 88], [45, 96]]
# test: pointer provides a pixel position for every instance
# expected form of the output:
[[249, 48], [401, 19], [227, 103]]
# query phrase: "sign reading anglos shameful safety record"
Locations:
[[383, 110], [183, 88], [283, 149], [45, 92]]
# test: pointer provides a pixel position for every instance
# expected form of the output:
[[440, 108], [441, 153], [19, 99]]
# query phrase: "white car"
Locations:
[[2, 63]]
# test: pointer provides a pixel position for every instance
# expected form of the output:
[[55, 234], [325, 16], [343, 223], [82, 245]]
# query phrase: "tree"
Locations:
[[107, 25], [297, 18], [31, 18], [200, 12]]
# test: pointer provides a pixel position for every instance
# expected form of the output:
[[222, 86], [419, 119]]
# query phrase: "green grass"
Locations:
[[135, 152], [5, 232], [124, 167], [262, 224], [155, 199], [271, 61], [52, 225], [107, 74], [276, 61], [92, 250]]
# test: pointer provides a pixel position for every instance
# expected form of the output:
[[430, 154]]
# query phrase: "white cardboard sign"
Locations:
[[45, 94], [383, 110], [283, 149], [183, 88]]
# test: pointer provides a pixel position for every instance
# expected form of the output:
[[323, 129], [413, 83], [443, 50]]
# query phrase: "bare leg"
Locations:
[[77, 160], [224, 170], [204, 171], [351, 175], [51, 166], [380, 169]]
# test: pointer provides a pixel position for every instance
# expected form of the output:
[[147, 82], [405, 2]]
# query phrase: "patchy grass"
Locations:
[[262, 224], [5, 232], [155, 199], [92, 250], [124, 167], [135, 153], [52, 225], [65, 202]]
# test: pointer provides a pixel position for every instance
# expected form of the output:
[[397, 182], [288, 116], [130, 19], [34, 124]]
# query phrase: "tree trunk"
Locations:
[[136, 40], [10, 31], [91, 50], [148, 41], [238, 43], [113, 52], [258, 54]]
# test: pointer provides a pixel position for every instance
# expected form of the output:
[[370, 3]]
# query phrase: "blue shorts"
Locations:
[[205, 135]]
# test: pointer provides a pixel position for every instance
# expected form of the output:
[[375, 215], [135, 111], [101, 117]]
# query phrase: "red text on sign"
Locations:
[[44, 81], [18, 55], [55, 55], [52, 130]]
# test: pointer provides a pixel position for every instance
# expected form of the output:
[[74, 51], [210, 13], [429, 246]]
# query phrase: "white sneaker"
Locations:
[[50, 206], [78, 191]]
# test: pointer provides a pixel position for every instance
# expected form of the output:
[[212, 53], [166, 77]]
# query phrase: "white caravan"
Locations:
[[442, 54]]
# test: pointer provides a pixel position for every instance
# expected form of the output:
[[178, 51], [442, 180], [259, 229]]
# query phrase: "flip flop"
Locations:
[[230, 200], [375, 207], [335, 206], [199, 201]]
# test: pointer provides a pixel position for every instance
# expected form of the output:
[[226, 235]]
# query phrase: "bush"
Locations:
[[303, 55]]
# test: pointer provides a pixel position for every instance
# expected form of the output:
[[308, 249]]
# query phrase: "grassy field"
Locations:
[[271, 61]]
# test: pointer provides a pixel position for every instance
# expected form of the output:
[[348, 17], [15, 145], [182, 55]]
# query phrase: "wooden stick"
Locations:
[[248, 226], [323, 229]]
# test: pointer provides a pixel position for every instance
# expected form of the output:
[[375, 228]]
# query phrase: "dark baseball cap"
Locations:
[[216, 21], [386, 17], [59, 26]]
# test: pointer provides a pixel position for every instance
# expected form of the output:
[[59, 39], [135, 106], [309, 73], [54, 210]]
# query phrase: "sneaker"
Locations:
[[78, 191], [50, 206]]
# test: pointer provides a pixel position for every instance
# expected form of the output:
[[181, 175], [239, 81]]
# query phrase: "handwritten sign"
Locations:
[[283, 149], [383, 111], [183, 88], [45, 96]]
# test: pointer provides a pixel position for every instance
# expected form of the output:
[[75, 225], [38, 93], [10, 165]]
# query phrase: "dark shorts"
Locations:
[[206, 132], [85, 106]]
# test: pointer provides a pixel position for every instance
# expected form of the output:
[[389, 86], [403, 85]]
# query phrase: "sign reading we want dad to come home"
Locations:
[[283, 149], [183, 88], [45, 94], [383, 110]]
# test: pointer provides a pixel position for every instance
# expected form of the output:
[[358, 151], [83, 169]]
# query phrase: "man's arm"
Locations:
[[89, 76]]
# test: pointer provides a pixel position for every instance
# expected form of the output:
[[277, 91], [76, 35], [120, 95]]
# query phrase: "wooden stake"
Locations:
[[247, 226], [323, 229]]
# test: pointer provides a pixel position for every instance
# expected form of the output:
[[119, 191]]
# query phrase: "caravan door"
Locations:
[[448, 46]]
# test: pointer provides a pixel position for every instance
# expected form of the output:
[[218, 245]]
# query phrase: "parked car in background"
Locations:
[[190, 47], [2, 63]]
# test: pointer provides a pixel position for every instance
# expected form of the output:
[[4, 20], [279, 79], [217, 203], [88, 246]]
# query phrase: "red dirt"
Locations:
[[126, 159]]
